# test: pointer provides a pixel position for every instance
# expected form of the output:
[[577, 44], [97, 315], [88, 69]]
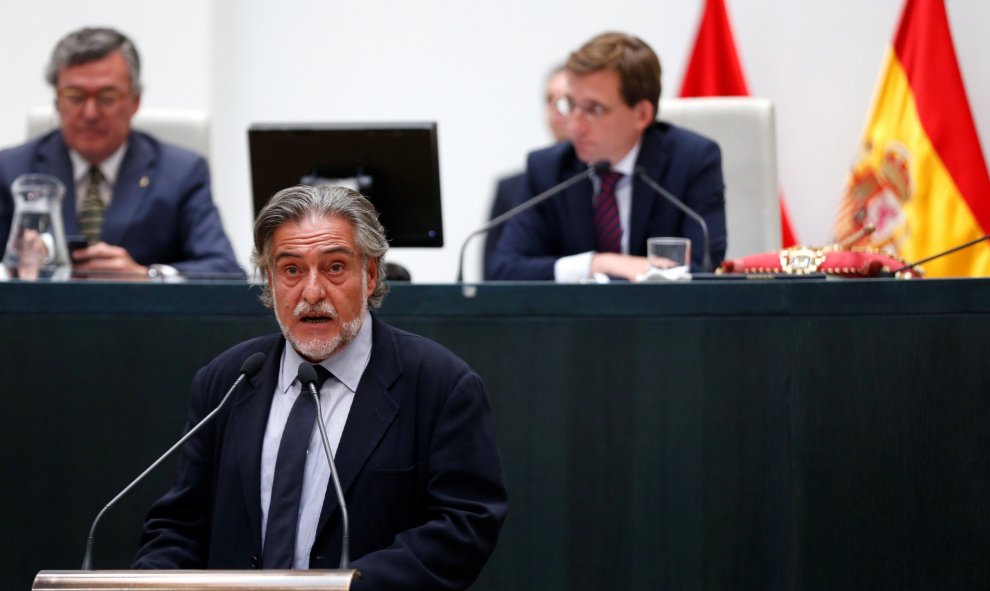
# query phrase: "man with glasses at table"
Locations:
[[143, 207], [599, 228]]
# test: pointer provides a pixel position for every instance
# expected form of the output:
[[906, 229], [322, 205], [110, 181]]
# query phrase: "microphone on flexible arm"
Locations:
[[706, 259], [600, 167], [250, 367], [307, 377], [934, 256]]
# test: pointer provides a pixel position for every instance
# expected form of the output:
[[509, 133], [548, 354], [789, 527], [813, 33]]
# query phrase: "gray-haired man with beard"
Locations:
[[409, 423]]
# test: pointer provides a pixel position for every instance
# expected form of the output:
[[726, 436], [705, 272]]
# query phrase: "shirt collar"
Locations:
[[628, 163], [109, 168], [347, 364]]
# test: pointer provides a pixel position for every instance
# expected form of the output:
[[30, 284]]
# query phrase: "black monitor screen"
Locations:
[[395, 164]]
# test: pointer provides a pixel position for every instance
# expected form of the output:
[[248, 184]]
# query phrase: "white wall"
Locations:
[[173, 39], [477, 69]]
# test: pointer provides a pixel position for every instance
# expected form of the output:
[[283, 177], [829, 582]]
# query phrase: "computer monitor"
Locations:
[[394, 164]]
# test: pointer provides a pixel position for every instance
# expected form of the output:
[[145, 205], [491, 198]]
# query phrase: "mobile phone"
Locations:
[[75, 242]]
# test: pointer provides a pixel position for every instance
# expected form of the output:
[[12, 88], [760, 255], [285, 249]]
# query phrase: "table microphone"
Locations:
[[935, 256], [706, 259], [600, 167], [250, 367], [307, 377]]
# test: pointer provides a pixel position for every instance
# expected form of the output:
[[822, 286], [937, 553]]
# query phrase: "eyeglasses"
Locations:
[[592, 110], [74, 99]]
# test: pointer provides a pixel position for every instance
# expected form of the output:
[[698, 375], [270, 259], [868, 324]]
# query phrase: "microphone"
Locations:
[[936, 256], [250, 367], [599, 167], [706, 260], [307, 377]]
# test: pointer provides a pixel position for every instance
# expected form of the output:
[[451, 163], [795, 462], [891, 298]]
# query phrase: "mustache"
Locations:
[[321, 309]]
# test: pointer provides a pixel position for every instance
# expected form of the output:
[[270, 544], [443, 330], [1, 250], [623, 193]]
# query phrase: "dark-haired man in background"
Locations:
[[600, 227]]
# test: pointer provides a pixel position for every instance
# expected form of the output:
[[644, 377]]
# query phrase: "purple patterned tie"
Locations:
[[608, 231]]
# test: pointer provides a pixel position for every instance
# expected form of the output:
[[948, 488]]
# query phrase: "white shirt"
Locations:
[[109, 168], [577, 267], [336, 396]]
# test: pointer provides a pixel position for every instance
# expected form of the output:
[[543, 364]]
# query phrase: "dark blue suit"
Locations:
[[161, 210], [685, 163], [418, 462]]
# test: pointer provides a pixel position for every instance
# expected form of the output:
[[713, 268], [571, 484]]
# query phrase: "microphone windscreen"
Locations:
[[307, 374], [252, 364], [602, 166]]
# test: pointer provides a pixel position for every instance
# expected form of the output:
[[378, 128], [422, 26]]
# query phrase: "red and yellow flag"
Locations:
[[714, 70], [921, 180]]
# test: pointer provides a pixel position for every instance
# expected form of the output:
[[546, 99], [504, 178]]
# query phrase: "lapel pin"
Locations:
[[144, 182]]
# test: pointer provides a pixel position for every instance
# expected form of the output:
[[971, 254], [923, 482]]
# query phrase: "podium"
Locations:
[[190, 580]]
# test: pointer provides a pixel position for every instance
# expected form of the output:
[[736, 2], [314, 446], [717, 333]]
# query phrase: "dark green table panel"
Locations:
[[717, 435]]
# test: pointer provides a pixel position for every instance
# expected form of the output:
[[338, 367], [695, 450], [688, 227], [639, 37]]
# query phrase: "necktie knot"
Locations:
[[95, 176], [322, 375], [610, 179]]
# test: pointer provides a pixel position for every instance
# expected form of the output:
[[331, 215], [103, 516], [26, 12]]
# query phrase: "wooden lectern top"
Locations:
[[190, 580]]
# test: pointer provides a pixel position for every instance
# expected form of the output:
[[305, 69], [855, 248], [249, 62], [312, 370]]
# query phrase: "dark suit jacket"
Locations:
[[508, 194], [685, 163], [170, 220], [418, 464]]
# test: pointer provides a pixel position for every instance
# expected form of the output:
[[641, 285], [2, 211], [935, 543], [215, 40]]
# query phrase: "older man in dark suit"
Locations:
[[409, 422], [144, 207]]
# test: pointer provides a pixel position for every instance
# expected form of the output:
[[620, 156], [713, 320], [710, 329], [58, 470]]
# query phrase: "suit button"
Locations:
[[255, 561]]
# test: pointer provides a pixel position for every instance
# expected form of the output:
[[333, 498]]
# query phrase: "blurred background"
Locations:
[[477, 69]]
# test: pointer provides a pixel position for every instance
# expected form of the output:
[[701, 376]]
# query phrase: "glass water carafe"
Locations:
[[36, 247]]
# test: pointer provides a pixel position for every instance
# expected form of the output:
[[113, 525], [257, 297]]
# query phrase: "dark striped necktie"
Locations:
[[608, 230], [91, 213]]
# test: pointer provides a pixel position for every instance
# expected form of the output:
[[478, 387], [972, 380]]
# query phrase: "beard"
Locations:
[[317, 349]]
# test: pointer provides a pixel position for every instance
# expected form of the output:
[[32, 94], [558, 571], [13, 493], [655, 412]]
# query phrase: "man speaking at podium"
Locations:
[[600, 226], [408, 422]]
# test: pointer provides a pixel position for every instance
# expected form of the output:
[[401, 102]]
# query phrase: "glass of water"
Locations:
[[669, 257]]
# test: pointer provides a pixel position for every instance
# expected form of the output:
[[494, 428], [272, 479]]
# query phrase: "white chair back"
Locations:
[[744, 129], [186, 128]]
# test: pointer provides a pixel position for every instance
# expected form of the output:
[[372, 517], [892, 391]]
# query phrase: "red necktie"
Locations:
[[608, 231]]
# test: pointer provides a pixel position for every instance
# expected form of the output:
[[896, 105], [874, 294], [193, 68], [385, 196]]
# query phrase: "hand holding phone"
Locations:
[[75, 242]]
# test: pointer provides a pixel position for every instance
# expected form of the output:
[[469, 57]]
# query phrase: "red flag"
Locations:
[[715, 70]]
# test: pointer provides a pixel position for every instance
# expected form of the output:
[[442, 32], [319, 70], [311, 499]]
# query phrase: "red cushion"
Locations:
[[803, 260]]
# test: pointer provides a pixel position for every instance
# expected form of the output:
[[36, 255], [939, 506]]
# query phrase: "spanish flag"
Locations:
[[714, 69], [921, 180]]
